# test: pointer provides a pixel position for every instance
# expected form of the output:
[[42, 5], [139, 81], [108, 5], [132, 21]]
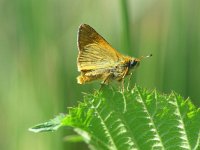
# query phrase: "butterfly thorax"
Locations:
[[125, 67]]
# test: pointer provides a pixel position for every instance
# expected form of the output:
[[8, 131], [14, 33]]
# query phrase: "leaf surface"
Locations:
[[137, 119]]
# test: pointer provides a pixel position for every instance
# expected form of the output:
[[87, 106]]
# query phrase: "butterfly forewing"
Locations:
[[94, 51]]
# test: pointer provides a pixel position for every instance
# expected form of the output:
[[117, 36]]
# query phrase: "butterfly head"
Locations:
[[133, 63]]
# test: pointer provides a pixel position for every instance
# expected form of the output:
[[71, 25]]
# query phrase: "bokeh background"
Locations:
[[38, 57]]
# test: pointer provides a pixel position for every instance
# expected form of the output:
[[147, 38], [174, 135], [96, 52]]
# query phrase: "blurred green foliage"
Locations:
[[38, 57]]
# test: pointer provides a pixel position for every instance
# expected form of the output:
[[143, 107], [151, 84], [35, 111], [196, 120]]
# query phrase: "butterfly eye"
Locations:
[[133, 63]]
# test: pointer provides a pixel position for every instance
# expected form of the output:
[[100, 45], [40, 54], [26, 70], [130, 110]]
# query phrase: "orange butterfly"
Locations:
[[97, 60]]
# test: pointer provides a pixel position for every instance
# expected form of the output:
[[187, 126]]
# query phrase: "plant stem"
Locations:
[[125, 26]]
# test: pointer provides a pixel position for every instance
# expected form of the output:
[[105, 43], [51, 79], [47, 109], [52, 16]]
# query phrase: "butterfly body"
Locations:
[[97, 60]]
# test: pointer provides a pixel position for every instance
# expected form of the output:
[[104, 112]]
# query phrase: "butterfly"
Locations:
[[98, 60]]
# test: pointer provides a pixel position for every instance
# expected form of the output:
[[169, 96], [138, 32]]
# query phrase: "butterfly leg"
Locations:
[[122, 84], [129, 79], [105, 80], [122, 79]]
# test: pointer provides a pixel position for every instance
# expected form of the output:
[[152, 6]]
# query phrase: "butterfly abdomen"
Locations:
[[82, 79]]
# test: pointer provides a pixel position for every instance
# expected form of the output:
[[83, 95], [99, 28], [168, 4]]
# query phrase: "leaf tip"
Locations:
[[51, 125]]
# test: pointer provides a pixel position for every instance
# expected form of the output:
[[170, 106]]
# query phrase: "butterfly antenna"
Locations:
[[142, 57]]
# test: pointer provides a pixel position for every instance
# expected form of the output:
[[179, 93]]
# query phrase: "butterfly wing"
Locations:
[[94, 51]]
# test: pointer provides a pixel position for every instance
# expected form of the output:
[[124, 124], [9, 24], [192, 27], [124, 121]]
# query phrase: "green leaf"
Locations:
[[51, 125], [136, 119]]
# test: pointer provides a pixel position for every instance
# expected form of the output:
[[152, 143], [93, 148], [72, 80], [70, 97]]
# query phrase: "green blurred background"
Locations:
[[38, 57]]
